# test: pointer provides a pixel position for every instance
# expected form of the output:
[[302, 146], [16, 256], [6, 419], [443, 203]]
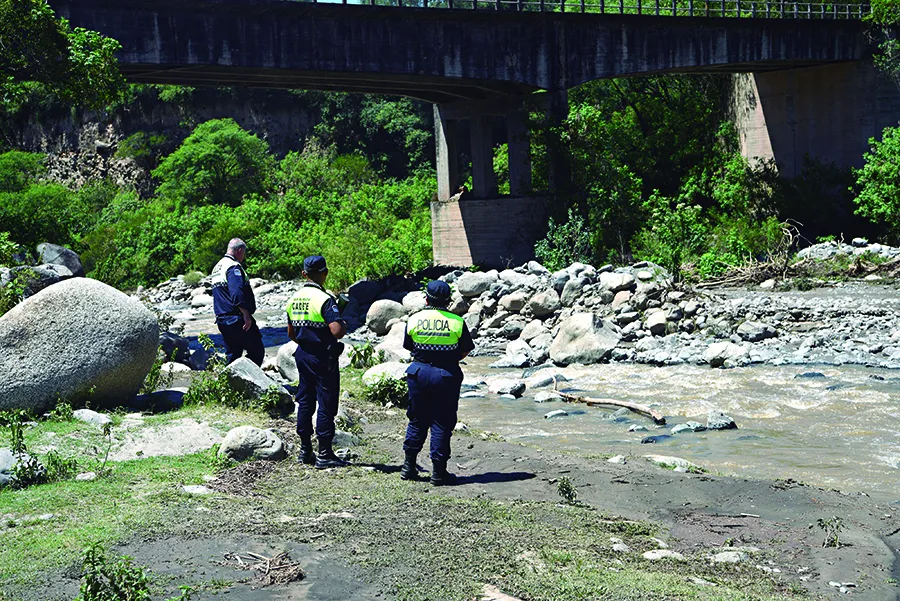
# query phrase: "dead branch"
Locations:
[[592, 402]]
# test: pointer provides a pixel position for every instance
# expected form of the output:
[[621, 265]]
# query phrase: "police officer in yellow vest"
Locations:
[[438, 341], [315, 324]]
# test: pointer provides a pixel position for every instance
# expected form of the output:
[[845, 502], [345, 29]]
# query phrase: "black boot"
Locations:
[[439, 474], [409, 471], [326, 457], [306, 452]]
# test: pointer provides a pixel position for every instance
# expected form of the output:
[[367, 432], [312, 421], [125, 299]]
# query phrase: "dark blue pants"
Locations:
[[320, 384], [237, 341], [433, 403]]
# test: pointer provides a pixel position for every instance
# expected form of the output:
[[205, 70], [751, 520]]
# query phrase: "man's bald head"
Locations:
[[237, 248]]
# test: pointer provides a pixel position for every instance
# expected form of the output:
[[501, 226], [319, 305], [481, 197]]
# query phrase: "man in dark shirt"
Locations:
[[315, 324], [438, 341], [234, 305]]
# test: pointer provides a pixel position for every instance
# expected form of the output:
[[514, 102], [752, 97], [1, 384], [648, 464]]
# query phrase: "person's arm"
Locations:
[[466, 345], [235, 280], [291, 331], [332, 315]]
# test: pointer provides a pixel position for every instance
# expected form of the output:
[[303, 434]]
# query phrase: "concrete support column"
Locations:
[[484, 183], [560, 167], [519, 144], [447, 155]]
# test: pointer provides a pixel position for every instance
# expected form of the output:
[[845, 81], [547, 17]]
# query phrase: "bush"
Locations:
[[192, 278], [7, 249], [115, 579], [387, 392], [565, 243], [878, 182]]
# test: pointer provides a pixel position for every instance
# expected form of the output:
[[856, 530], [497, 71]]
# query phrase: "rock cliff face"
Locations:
[[82, 145]]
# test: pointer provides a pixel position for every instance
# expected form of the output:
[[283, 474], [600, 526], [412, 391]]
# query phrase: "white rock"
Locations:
[[414, 301], [86, 476], [473, 284], [555, 413], [659, 554], [196, 489], [285, 362], [249, 442], [584, 338], [392, 344], [383, 311], [202, 300], [391, 369], [507, 386], [618, 459], [91, 417], [668, 461], [544, 303], [729, 557], [615, 282]]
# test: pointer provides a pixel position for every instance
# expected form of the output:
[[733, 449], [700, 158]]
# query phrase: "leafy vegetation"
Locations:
[[105, 578], [387, 392], [879, 181]]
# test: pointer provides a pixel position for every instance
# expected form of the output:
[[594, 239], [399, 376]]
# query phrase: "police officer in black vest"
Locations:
[[438, 341], [315, 324]]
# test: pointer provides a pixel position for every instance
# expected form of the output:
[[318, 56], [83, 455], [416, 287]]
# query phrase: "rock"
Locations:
[[495, 321], [719, 352], [768, 284], [54, 254], [199, 359], [688, 427], [196, 489], [458, 304], [77, 339], [344, 439], [559, 278], [618, 459], [381, 312], [518, 354], [658, 554], [544, 303], [572, 291], [620, 547], [621, 297], [513, 302], [532, 330], [507, 386], [86, 476], [391, 369], [285, 362], [670, 462], [859, 242], [656, 322], [810, 375], [473, 320], [247, 377], [555, 413], [729, 557], [248, 442], [535, 268], [584, 338], [754, 331], [201, 300], [365, 291], [91, 417], [473, 284], [716, 420], [392, 344], [174, 347], [614, 282], [637, 428], [183, 436], [38, 278], [546, 396], [414, 301], [8, 463]]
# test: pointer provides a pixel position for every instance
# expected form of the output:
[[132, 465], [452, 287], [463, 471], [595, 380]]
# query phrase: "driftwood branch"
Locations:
[[592, 402]]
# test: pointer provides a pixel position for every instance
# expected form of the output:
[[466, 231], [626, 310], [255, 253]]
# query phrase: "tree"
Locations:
[[37, 46], [886, 17], [879, 181], [220, 163]]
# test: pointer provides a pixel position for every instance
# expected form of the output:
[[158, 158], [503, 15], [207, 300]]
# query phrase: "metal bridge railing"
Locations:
[[758, 9]]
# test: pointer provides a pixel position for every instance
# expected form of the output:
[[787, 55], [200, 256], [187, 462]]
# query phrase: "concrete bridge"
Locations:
[[483, 60]]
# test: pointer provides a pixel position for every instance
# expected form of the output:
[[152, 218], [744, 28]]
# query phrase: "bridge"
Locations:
[[478, 61]]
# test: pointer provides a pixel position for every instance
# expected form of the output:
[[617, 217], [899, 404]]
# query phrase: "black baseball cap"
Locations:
[[314, 264], [438, 291]]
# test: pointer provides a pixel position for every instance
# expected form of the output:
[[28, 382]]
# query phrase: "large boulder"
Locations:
[[717, 353], [248, 378], [572, 290], [383, 311], [60, 255], [414, 301], [79, 339], [248, 442], [754, 331], [285, 362], [392, 344], [614, 282], [392, 369], [473, 284], [544, 303], [513, 302], [584, 338]]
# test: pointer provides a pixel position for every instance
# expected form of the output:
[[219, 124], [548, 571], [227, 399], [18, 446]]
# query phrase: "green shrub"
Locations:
[[565, 243], [18, 170], [676, 232], [364, 356], [567, 490], [116, 579], [387, 392], [59, 468], [145, 148], [192, 278], [7, 249], [878, 181]]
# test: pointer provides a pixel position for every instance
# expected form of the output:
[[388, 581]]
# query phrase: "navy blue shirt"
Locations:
[[318, 341], [442, 359], [229, 300]]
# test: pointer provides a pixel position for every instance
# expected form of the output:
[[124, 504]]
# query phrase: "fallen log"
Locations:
[[592, 402]]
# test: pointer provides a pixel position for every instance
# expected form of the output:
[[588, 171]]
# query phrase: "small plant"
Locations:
[[12, 293], [567, 490], [108, 579], [832, 527], [156, 377], [63, 412], [107, 432], [59, 467], [387, 392], [15, 421], [365, 356], [192, 278]]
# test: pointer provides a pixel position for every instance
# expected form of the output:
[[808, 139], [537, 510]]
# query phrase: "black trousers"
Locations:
[[433, 403], [237, 341], [317, 392]]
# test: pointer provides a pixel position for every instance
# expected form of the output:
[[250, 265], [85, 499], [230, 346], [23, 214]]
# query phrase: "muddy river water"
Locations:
[[839, 431]]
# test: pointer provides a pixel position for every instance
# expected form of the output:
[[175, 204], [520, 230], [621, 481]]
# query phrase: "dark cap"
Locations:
[[314, 264], [438, 292]]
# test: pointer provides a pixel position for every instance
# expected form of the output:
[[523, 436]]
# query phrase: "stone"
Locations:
[[40, 277], [546, 396], [658, 554], [183, 436], [54, 254], [688, 427], [859, 242], [458, 304], [392, 344], [717, 420], [91, 417], [768, 284], [8, 463], [617, 459], [472, 284], [202, 300], [247, 377], [555, 413], [512, 329], [513, 302], [584, 338], [86, 476], [495, 321], [614, 282], [248, 442], [532, 330], [414, 301], [518, 354], [718, 353], [473, 320], [77, 339], [544, 303], [621, 297], [572, 291], [392, 369], [535, 268], [381, 312], [343, 439], [174, 347], [670, 462], [507, 386], [656, 323], [559, 278], [365, 291], [285, 362], [729, 557], [754, 331], [196, 489]]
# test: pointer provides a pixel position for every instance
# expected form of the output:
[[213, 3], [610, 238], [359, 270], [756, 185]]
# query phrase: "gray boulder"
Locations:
[[716, 420], [544, 303], [572, 290], [60, 255], [174, 347], [473, 284], [248, 378], [285, 363], [392, 344], [717, 353], [414, 301], [559, 278], [381, 312], [614, 282], [754, 331], [8, 463], [458, 304], [656, 322], [518, 354], [507, 386], [91, 417], [78, 339], [392, 369], [514, 302], [248, 442], [533, 329], [40, 277], [584, 338]]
